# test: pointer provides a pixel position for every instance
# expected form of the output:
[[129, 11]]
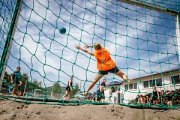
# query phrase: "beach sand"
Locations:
[[10, 110]]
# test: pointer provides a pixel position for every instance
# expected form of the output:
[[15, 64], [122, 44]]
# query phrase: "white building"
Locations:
[[169, 80]]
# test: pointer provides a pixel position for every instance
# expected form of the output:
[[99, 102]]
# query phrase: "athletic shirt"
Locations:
[[155, 93], [104, 61], [16, 76]]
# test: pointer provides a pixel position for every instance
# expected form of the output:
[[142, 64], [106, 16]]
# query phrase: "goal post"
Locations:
[[178, 35], [146, 5], [160, 9], [8, 43], [143, 37]]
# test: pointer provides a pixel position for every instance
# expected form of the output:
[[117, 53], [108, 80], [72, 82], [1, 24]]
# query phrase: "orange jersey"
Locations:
[[104, 61]]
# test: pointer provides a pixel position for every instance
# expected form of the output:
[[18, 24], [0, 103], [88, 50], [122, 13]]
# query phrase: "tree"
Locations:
[[7, 77], [26, 86], [75, 89], [6, 83], [31, 86], [37, 83], [56, 88]]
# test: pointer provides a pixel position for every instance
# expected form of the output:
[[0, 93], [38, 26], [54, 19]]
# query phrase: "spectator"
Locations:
[[140, 99], [165, 98], [162, 97], [99, 95], [100, 92], [102, 86], [68, 92], [176, 97], [169, 95], [147, 99], [16, 80], [155, 97], [94, 96]]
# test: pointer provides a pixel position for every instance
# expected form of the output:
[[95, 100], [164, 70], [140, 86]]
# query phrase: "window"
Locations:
[[176, 79], [135, 85], [130, 86], [146, 84], [126, 87], [152, 83], [159, 82]]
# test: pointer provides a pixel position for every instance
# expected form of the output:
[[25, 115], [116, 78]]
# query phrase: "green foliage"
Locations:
[[7, 77], [36, 83], [75, 89], [26, 84], [6, 83], [56, 88]]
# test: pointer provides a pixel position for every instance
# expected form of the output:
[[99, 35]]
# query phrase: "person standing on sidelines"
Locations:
[[16, 81], [68, 92]]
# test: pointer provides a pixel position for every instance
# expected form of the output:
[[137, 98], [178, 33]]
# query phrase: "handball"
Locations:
[[62, 30]]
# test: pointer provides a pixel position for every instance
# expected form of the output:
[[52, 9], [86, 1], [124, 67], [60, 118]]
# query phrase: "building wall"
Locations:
[[132, 94], [128, 95]]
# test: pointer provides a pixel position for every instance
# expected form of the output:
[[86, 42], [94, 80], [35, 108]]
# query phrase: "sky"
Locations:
[[6, 11], [141, 41], [170, 4]]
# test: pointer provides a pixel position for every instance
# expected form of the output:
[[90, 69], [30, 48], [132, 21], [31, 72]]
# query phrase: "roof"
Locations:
[[161, 73], [114, 83]]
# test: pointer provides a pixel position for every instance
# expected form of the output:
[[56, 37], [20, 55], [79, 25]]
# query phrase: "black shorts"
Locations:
[[68, 88], [113, 70]]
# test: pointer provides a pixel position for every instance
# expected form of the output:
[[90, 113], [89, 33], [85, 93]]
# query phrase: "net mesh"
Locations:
[[142, 42]]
